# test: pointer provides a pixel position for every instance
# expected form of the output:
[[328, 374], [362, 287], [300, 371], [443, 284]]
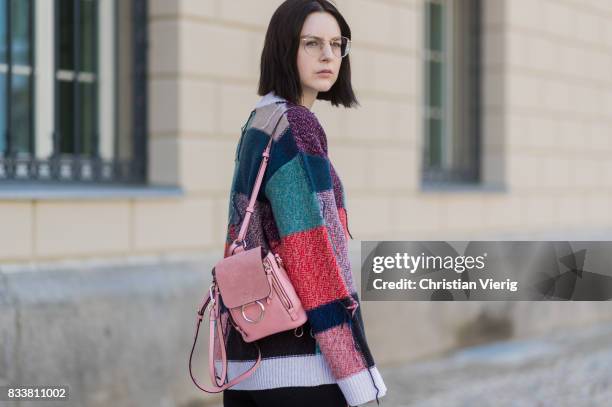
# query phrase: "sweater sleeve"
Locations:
[[313, 248]]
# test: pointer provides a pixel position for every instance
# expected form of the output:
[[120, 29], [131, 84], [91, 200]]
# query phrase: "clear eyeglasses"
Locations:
[[314, 46]]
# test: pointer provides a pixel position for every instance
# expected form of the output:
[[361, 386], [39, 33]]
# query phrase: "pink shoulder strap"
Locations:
[[239, 243], [218, 382]]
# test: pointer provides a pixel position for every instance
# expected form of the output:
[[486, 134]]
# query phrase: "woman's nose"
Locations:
[[327, 51]]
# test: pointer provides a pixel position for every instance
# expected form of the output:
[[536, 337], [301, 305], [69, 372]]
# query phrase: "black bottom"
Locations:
[[328, 395]]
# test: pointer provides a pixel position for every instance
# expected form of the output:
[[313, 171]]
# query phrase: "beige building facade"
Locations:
[[546, 113]]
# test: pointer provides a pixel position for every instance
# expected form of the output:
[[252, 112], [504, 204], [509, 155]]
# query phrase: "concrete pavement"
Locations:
[[564, 368]]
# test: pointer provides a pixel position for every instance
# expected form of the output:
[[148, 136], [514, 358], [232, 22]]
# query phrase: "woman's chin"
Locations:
[[323, 86]]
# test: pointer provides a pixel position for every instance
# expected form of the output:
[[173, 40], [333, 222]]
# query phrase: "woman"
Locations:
[[300, 214]]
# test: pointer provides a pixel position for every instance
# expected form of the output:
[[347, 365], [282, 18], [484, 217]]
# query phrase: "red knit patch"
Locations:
[[342, 216], [339, 350], [312, 268]]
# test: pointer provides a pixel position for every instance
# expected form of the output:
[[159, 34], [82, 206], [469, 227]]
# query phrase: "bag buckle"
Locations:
[[210, 291], [261, 314], [237, 244]]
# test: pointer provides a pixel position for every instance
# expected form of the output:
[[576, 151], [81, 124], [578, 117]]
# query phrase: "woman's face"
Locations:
[[310, 64]]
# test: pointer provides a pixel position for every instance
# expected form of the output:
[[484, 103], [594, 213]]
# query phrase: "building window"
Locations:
[[16, 75], [452, 91], [72, 91]]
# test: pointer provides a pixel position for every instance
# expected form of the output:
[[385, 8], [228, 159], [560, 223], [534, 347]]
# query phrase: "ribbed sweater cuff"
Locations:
[[359, 389]]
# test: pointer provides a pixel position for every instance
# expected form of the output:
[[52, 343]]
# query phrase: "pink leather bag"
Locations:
[[257, 292]]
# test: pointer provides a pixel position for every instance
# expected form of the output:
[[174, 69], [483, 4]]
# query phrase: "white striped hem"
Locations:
[[311, 370], [359, 389], [290, 371]]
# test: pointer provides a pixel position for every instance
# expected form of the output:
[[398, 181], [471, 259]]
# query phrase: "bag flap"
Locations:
[[241, 278]]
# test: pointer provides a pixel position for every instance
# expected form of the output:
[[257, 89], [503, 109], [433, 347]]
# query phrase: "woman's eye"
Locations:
[[336, 44], [312, 43]]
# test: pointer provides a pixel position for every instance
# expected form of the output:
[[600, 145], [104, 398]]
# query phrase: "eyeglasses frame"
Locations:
[[348, 44]]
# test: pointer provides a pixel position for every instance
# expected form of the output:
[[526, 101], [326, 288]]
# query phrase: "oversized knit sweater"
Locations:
[[300, 213]]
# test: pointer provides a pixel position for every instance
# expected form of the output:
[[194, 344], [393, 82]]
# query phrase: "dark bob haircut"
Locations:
[[279, 71]]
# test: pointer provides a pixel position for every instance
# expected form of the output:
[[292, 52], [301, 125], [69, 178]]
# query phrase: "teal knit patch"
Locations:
[[294, 203]]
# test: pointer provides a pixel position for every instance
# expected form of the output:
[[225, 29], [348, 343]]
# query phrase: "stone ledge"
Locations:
[[81, 191]]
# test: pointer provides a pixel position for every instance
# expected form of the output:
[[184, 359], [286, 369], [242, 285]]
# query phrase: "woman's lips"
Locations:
[[325, 73]]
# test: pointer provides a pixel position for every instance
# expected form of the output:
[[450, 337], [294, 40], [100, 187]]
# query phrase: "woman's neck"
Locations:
[[308, 98]]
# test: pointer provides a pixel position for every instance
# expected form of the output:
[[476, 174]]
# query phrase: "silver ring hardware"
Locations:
[[301, 332], [263, 310]]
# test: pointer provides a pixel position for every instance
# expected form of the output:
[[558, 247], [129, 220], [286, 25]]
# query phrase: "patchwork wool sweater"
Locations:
[[300, 213]]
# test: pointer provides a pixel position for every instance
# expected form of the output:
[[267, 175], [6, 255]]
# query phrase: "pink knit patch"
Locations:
[[342, 216], [339, 350]]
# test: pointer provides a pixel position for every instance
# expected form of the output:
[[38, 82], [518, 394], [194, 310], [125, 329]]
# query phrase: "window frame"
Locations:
[[44, 164], [9, 69], [449, 171]]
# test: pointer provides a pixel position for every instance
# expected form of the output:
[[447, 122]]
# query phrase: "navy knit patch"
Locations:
[[251, 149], [358, 329], [318, 171], [328, 316], [281, 152]]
